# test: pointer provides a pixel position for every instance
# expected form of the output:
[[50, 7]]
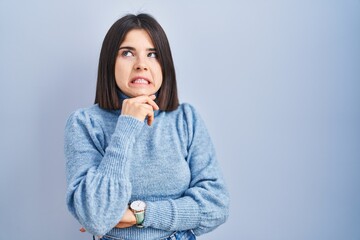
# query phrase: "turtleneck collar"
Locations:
[[121, 95]]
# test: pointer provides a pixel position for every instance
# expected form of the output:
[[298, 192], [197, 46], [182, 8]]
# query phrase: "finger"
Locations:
[[145, 99], [82, 229], [124, 225], [150, 118], [153, 104], [148, 113]]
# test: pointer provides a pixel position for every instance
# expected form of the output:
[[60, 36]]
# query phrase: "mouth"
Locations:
[[140, 80]]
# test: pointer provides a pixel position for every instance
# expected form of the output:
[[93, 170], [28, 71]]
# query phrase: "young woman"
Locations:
[[139, 164]]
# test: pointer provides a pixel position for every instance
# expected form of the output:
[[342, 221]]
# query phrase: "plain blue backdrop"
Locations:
[[277, 83]]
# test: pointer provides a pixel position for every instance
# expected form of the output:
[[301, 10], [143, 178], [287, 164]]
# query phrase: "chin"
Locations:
[[143, 93], [139, 94]]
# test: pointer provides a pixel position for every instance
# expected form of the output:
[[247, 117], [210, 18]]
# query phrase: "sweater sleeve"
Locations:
[[98, 186], [204, 205]]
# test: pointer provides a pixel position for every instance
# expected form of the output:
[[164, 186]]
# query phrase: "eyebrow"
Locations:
[[132, 48]]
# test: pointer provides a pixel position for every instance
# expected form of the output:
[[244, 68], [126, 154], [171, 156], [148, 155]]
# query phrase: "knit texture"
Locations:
[[112, 160]]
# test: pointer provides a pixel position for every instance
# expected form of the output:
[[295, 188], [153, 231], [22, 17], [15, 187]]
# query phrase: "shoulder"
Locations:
[[194, 126], [190, 118], [186, 109], [89, 116], [185, 114], [189, 112]]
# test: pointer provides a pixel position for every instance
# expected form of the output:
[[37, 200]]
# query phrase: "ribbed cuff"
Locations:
[[179, 214], [114, 161]]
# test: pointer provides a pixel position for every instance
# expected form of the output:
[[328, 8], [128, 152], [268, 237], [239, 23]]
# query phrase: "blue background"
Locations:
[[277, 82]]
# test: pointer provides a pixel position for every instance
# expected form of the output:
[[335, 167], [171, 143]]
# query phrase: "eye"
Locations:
[[127, 53], [152, 55]]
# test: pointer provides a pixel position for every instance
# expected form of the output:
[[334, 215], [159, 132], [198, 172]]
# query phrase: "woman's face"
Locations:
[[137, 69]]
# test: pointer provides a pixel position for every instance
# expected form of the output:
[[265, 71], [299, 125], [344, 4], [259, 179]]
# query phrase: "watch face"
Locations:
[[138, 205]]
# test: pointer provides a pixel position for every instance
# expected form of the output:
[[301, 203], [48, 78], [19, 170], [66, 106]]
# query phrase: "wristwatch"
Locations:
[[138, 208]]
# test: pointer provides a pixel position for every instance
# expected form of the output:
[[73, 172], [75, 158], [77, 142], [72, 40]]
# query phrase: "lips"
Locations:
[[140, 80]]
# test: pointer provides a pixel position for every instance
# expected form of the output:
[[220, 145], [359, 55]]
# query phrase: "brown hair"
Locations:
[[106, 88]]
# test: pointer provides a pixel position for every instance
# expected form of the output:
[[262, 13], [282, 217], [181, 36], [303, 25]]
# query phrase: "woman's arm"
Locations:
[[99, 189], [205, 205], [98, 186]]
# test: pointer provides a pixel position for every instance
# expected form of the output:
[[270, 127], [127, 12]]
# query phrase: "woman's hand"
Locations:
[[140, 108], [128, 220]]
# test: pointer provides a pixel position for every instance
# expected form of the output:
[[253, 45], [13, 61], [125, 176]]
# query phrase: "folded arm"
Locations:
[[98, 186], [204, 205]]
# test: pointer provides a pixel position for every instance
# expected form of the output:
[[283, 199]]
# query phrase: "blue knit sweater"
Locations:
[[112, 159]]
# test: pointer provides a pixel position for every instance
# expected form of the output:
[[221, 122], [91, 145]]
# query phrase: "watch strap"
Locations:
[[139, 218]]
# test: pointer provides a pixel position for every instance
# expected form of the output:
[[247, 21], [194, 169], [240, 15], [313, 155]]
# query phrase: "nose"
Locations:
[[140, 64]]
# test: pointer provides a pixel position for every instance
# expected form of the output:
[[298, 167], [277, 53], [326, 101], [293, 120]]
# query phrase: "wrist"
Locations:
[[133, 217], [138, 209]]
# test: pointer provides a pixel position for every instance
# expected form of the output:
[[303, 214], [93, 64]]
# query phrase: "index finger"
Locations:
[[150, 119], [146, 99]]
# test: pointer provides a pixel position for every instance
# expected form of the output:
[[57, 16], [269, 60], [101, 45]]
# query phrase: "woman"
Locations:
[[139, 164]]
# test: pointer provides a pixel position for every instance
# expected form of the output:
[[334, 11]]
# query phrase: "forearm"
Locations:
[[99, 188], [199, 210], [99, 203], [172, 215]]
